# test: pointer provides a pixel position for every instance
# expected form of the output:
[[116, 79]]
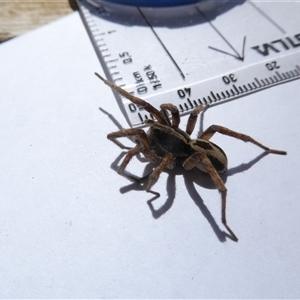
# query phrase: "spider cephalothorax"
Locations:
[[166, 144]]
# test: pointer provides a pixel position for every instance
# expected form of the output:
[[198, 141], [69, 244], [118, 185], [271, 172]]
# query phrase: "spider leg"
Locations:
[[210, 131], [129, 132], [174, 111], [193, 119], [132, 152], [199, 157], [165, 162], [147, 106]]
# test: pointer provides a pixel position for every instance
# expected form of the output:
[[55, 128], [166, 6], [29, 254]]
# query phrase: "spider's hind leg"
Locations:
[[210, 131], [199, 157]]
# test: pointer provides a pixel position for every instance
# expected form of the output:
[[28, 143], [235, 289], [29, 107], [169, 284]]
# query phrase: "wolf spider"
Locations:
[[166, 145]]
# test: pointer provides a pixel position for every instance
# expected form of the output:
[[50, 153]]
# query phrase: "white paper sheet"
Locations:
[[71, 227]]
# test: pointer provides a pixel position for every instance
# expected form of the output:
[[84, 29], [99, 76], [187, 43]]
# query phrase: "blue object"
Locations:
[[154, 3]]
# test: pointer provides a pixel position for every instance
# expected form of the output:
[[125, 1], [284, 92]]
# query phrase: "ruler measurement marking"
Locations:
[[140, 117], [235, 91], [287, 75], [291, 73], [100, 34], [213, 95], [277, 73], [112, 60], [257, 81], [92, 25], [234, 86], [189, 101]]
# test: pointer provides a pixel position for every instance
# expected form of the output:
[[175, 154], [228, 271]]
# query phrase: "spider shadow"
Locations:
[[192, 179], [112, 118]]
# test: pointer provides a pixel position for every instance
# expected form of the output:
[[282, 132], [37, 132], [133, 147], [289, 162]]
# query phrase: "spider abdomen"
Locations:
[[213, 152]]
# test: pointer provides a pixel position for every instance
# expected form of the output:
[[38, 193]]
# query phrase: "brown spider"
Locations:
[[166, 145]]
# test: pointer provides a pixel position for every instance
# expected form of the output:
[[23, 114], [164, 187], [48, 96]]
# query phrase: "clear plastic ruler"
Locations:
[[195, 54]]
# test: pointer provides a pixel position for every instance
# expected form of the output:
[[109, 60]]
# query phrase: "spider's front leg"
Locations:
[[167, 162], [193, 119], [199, 157], [127, 133], [143, 147], [210, 131], [147, 106], [174, 111]]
